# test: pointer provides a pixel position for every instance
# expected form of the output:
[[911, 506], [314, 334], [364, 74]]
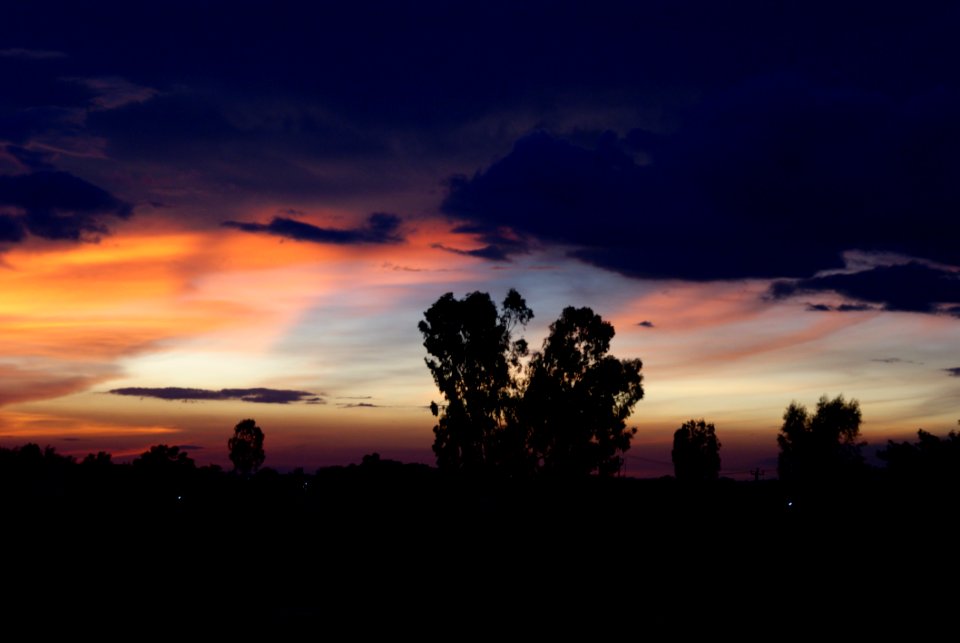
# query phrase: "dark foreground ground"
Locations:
[[404, 549]]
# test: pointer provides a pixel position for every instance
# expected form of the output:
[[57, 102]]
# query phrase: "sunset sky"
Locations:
[[258, 201]]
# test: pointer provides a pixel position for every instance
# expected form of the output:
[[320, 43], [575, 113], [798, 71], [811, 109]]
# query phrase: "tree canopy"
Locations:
[[471, 354], [696, 451], [823, 447], [163, 457], [246, 447], [929, 459], [578, 397], [562, 412]]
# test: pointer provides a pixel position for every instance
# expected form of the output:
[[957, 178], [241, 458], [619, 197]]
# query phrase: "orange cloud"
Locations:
[[19, 384]]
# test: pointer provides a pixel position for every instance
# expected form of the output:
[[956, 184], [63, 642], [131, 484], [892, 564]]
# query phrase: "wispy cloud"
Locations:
[[490, 253], [257, 395], [44, 379], [31, 54], [379, 228], [113, 92]]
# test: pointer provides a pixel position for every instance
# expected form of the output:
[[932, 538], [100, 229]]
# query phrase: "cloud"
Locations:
[[257, 395], [29, 159], [28, 385], [843, 308], [775, 177], [58, 205], [11, 228], [500, 242], [31, 54], [114, 92], [490, 253], [724, 164], [953, 372], [380, 228], [645, 324], [911, 287]]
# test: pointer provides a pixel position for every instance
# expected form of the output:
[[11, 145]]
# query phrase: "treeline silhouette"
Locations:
[[379, 528], [165, 481]]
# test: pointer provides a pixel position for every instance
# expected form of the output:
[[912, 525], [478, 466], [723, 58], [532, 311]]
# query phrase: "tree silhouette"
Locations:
[[473, 357], [929, 459], [100, 459], [578, 397], [696, 452], [163, 458], [30, 470], [246, 447], [822, 447]]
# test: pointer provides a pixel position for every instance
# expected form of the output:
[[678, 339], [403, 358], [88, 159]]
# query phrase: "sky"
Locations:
[[213, 211]]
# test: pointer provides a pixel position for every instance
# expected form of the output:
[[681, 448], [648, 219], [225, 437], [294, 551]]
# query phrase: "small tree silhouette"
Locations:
[[696, 451], [246, 447]]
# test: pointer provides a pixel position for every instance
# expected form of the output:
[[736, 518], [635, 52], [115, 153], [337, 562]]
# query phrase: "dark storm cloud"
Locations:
[[759, 139], [550, 189], [11, 228], [953, 372], [257, 395], [429, 67], [911, 287], [775, 178], [380, 228], [58, 205], [432, 62]]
